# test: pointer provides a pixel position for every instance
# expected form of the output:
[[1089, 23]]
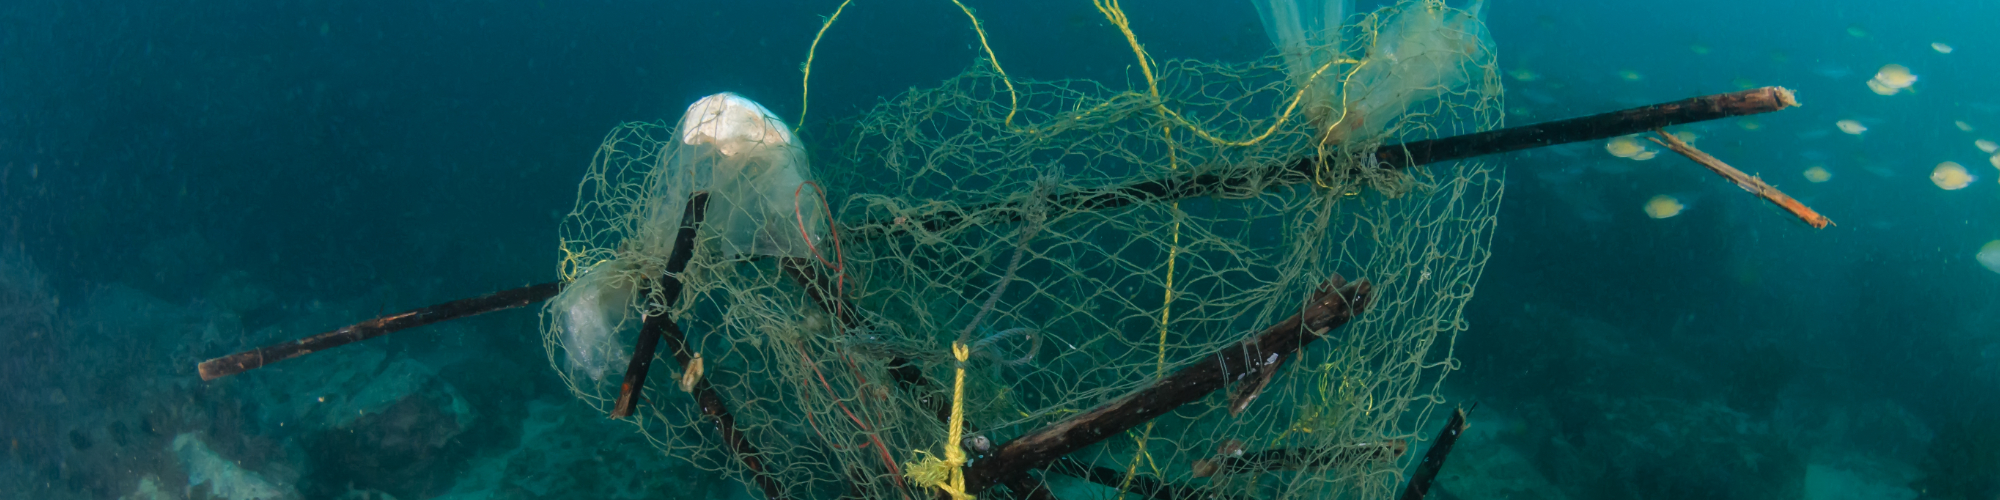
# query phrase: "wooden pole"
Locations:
[[1334, 304], [259, 357], [1396, 156], [716, 408], [670, 294], [1748, 182], [1420, 482]]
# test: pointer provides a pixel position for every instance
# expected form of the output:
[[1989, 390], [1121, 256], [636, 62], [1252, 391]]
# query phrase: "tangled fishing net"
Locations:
[[940, 215]]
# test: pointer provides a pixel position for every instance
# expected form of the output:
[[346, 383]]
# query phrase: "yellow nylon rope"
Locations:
[[1014, 100], [954, 455], [948, 474], [805, 83], [1116, 15]]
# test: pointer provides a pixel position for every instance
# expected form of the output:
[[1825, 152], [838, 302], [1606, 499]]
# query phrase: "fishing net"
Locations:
[[951, 219]]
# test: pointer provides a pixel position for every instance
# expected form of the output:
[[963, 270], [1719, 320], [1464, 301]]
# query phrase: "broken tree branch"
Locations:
[[257, 358], [1333, 305], [1748, 182], [1420, 483], [670, 293], [714, 407]]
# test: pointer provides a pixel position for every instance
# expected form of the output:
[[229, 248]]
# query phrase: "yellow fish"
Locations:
[[1663, 206], [1851, 127], [1623, 147], [1940, 47], [1880, 88], [1818, 175], [1895, 76], [1951, 176], [1989, 256]]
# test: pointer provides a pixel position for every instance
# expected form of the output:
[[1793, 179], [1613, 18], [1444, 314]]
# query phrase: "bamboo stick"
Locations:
[[1748, 182]]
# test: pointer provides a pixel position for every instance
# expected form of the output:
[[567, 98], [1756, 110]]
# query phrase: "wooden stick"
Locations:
[[670, 293], [1397, 156], [1334, 304], [717, 410], [1420, 482], [257, 358], [1748, 182], [1589, 128]]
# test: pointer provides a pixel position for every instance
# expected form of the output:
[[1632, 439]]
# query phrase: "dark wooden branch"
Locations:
[[1411, 154], [670, 293], [1588, 128], [661, 327], [1420, 482], [1333, 305], [257, 358], [715, 408]]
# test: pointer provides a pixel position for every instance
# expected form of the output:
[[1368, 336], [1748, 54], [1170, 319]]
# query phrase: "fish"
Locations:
[[1851, 127], [1950, 176], [1663, 206], [1989, 256]]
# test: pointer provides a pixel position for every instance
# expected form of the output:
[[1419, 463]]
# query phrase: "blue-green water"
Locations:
[[181, 180]]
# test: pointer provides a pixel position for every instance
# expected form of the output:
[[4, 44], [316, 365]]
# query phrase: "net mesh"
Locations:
[[1064, 307]]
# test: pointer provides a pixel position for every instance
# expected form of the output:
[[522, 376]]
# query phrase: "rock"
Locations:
[[224, 479]]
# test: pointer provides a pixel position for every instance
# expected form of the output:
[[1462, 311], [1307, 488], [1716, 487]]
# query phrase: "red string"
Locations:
[[839, 270], [839, 267], [888, 460]]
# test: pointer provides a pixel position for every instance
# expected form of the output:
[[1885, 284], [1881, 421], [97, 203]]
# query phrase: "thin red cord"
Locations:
[[839, 267], [840, 270]]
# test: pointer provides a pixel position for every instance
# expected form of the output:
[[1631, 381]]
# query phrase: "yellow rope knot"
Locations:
[[948, 474]]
